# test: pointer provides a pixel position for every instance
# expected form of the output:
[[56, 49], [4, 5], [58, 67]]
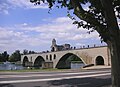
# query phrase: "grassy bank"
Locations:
[[34, 70]]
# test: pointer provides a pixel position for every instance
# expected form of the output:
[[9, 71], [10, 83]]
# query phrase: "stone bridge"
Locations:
[[92, 55]]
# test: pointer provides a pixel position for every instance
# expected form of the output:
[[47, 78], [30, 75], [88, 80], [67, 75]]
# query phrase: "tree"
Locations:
[[31, 52], [25, 52], [16, 56], [4, 56], [102, 16], [1, 57]]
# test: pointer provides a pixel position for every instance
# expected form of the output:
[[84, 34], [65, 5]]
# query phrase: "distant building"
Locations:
[[56, 47]]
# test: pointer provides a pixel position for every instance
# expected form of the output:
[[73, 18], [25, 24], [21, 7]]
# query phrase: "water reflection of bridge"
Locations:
[[59, 59]]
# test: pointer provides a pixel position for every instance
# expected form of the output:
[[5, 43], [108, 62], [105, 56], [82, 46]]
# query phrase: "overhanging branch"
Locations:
[[89, 18]]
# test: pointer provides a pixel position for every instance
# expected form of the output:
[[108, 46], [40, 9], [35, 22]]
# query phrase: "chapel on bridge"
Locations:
[[55, 47]]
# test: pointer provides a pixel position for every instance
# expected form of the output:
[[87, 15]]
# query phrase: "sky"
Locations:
[[26, 26]]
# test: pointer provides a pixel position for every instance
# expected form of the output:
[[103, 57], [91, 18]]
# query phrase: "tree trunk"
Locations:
[[114, 41], [115, 61]]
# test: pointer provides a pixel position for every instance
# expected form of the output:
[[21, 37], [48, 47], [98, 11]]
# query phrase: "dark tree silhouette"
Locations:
[[4, 56], [16, 56]]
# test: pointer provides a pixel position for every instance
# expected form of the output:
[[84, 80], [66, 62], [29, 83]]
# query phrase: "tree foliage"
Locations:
[[28, 52], [4, 56], [16, 56], [25, 51]]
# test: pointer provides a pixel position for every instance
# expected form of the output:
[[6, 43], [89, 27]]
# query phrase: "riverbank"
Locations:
[[59, 70]]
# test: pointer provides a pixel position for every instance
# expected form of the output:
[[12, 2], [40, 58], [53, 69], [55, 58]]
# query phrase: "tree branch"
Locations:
[[89, 17]]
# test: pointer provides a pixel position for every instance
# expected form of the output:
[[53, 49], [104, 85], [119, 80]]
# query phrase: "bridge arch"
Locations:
[[25, 60], [99, 60], [65, 60], [39, 61]]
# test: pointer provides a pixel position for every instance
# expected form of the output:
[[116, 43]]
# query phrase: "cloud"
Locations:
[[61, 28], [38, 38], [26, 4], [6, 5], [4, 8], [62, 20], [12, 38], [9, 37]]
